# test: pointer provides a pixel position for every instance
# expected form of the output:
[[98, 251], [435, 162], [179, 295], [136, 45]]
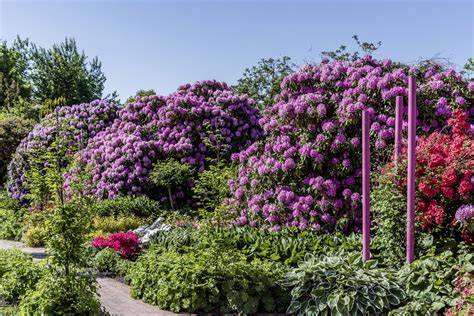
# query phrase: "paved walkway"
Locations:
[[114, 296]]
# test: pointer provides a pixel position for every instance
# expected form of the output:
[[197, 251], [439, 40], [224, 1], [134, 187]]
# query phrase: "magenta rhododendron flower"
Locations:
[[124, 243]]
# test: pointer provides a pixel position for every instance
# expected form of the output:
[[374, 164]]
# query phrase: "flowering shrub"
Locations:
[[124, 243], [76, 124], [445, 164], [307, 171], [199, 121]]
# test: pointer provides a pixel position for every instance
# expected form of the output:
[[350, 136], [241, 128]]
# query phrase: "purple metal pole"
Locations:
[[411, 169], [398, 127], [365, 186]]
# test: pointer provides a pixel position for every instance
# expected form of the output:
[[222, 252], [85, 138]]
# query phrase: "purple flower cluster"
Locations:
[[197, 122], [307, 171], [76, 124], [464, 213]]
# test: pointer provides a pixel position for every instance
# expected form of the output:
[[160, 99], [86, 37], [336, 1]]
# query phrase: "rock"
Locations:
[[146, 232]]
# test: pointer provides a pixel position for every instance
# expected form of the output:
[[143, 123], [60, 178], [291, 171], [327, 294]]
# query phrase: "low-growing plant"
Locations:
[[18, 274], [140, 206], [106, 260], [34, 236], [429, 281], [194, 282], [342, 285], [124, 243]]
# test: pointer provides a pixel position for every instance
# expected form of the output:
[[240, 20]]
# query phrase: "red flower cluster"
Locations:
[[125, 243], [444, 172]]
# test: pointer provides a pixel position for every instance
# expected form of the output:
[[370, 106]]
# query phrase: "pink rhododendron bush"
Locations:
[[306, 173], [196, 124]]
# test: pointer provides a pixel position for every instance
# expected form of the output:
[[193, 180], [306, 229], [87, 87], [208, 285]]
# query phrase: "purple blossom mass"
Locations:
[[309, 164], [76, 123], [198, 122]]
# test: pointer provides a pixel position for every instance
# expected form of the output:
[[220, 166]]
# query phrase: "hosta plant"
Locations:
[[342, 286]]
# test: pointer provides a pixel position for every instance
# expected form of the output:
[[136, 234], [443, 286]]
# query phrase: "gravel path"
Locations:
[[114, 296]]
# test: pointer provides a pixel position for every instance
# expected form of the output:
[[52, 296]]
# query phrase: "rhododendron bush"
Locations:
[[75, 124], [445, 182], [192, 125], [307, 171], [124, 243]]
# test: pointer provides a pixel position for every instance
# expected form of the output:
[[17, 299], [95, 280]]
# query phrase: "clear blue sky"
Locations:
[[162, 44]]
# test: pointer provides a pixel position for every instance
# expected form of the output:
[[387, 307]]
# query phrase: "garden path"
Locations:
[[114, 296]]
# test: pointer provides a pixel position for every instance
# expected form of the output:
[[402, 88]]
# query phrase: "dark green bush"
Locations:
[[106, 260], [127, 205], [12, 130], [208, 280], [11, 219], [18, 274], [342, 285]]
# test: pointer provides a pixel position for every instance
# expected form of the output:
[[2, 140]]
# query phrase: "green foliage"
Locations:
[[468, 69], [210, 188], [429, 279], [343, 54], [388, 207], [18, 274], [64, 288], [12, 130], [62, 71], [140, 206], [103, 226], [11, 219], [14, 79], [34, 236], [105, 260], [141, 93], [342, 286], [262, 81], [171, 173], [57, 294], [195, 282]]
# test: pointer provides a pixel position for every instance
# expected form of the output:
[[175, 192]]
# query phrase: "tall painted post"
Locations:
[[398, 127], [411, 169], [365, 186]]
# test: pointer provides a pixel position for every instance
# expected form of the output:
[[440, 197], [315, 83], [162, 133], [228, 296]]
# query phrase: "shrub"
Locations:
[[112, 224], [55, 294], [445, 164], [306, 172], [199, 121], [18, 274], [342, 286], [106, 260], [12, 130], [124, 243], [206, 281], [11, 219], [140, 206], [77, 123], [34, 236]]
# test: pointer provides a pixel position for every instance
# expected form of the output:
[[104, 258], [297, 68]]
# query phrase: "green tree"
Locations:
[[262, 81], [64, 72], [468, 69], [343, 54], [14, 73], [141, 93]]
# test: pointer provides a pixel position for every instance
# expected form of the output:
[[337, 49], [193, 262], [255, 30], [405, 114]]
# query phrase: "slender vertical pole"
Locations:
[[411, 169], [365, 186], [398, 127]]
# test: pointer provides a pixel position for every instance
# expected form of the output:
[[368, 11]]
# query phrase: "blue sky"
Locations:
[[162, 44]]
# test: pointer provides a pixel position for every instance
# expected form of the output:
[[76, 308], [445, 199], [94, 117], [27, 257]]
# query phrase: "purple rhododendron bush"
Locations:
[[306, 173], [197, 123], [76, 124]]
